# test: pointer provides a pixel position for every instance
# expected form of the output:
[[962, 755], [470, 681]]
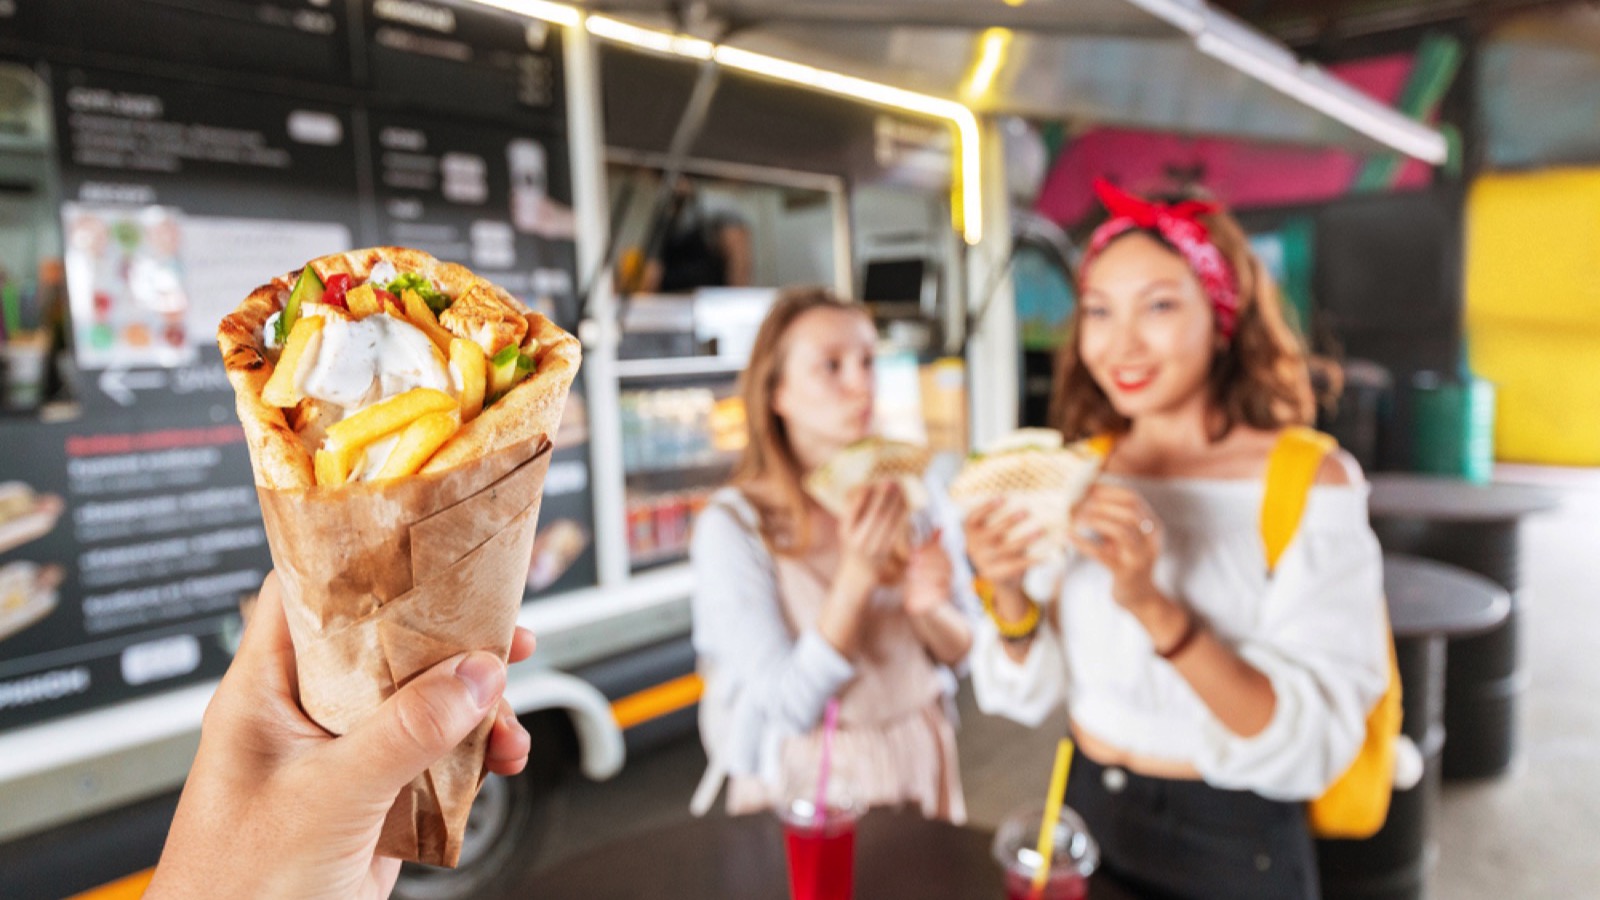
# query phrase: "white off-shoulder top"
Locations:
[[1316, 628]]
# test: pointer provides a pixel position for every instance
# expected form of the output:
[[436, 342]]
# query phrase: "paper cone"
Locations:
[[381, 582]]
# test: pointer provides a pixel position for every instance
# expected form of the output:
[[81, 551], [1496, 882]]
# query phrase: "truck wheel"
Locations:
[[508, 827]]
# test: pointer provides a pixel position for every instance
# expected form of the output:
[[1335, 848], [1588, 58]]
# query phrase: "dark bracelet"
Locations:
[[1190, 632]]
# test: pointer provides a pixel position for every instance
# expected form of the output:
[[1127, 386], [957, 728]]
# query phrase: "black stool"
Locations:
[[1475, 527], [1429, 603]]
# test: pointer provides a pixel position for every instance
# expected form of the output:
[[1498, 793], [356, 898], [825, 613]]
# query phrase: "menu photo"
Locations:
[[126, 287]]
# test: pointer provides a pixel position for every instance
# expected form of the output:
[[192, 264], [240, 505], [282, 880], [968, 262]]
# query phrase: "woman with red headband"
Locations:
[[1209, 697]]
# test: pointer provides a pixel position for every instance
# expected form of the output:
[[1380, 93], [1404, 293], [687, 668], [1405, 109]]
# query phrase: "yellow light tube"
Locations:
[[968, 184], [992, 47]]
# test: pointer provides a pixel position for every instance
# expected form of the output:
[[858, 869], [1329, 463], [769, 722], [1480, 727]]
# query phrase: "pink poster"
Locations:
[[1244, 174]]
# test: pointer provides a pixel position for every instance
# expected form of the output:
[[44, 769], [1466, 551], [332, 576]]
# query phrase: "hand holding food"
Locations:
[[874, 533]]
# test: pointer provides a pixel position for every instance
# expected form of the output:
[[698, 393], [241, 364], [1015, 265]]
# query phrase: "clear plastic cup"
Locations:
[[821, 851], [1016, 848], [23, 361]]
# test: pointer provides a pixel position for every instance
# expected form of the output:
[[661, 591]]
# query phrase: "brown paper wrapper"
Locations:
[[381, 582]]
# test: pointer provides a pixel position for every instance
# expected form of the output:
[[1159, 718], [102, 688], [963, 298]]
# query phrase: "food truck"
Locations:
[[160, 178]]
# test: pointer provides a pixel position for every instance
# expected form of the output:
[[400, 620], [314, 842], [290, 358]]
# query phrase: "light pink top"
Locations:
[[765, 692]]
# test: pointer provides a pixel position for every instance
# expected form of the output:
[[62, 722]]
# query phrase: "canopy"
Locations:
[[1176, 65]]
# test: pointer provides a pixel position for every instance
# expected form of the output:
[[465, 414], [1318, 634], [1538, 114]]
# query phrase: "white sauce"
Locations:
[[364, 361]]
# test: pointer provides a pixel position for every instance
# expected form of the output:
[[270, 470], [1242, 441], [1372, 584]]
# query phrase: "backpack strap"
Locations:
[[1291, 471]]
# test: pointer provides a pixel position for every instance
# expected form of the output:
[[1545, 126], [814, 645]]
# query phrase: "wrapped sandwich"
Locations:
[[399, 413], [1031, 471], [867, 461]]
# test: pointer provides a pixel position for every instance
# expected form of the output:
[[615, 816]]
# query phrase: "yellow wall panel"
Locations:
[[1533, 311]]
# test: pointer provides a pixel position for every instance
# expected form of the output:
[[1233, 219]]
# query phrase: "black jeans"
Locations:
[[1184, 840]]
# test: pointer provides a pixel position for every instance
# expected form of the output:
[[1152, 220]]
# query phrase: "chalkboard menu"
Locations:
[[143, 535], [492, 198], [300, 39], [463, 58], [181, 197], [203, 148]]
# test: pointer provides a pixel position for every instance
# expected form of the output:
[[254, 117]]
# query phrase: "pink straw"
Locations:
[[830, 723]]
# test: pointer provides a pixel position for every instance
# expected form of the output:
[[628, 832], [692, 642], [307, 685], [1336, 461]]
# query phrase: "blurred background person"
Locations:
[[793, 607], [1209, 698], [696, 246]]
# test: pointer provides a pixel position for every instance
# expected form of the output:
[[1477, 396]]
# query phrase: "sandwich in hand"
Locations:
[[399, 412], [865, 462], [1031, 471]]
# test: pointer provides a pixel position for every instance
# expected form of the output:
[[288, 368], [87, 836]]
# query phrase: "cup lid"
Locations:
[[1016, 843]]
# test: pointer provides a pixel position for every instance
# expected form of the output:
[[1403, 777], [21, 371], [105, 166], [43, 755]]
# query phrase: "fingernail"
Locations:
[[480, 672]]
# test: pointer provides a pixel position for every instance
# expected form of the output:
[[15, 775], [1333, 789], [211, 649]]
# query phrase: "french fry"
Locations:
[[393, 305], [418, 313], [348, 437], [471, 370], [283, 388], [330, 469], [362, 300], [417, 443]]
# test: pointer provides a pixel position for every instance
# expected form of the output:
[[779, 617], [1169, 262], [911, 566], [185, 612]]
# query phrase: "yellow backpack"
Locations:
[[1357, 804]]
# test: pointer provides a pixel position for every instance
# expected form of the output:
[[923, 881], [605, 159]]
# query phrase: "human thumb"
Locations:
[[419, 724]]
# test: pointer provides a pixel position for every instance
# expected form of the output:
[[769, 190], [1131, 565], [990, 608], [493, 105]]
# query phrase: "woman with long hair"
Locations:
[[793, 607], [1209, 697]]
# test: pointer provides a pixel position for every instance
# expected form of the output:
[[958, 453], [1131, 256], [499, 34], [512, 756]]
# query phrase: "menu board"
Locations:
[[563, 548], [497, 200], [464, 59], [140, 527], [181, 198], [126, 544], [303, 39]]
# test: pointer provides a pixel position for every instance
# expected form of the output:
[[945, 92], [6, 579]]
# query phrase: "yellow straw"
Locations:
[[1052, 814]]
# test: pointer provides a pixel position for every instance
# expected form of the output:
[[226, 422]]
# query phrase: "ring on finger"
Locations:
[[1147, 526]]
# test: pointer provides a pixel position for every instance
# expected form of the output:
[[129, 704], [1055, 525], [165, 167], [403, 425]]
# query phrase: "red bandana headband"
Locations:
[[1179, 225]]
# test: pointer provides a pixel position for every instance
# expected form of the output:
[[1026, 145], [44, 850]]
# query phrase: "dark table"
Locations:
[[1430, 603], [1475, 527], [898, 855]]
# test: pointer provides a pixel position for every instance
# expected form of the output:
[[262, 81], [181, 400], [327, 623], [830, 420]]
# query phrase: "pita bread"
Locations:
[[867, 461], [1032, 472], [280, 459]]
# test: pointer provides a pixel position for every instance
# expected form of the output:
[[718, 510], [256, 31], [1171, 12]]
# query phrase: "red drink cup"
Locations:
[[1073, 857], [1060, 886], [821, 860]]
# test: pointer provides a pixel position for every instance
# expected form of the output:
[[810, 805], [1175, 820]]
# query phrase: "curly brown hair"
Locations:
[[1261, 377]]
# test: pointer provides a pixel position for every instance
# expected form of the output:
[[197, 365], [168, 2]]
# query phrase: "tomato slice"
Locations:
[[333, 295]]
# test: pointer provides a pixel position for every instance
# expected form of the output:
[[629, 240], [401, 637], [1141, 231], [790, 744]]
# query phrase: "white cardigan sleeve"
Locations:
[[1322, 640], [763, 683], [1026, 692]]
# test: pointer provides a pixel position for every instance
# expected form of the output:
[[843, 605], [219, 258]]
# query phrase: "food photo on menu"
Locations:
[[25, 515], [399, 413], [28, 593]]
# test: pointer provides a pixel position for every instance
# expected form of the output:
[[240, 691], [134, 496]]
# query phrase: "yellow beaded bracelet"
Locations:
[[1011, 630]]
